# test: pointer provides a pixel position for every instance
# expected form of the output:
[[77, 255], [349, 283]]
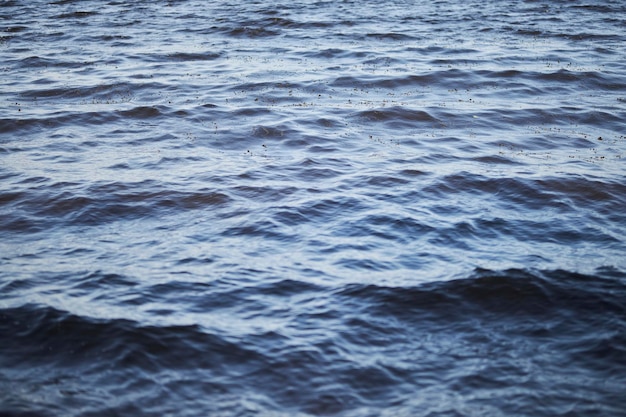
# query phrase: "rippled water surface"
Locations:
[[350, 208]]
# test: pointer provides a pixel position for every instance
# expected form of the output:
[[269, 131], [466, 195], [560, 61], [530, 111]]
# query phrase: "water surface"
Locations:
[[312, 208]]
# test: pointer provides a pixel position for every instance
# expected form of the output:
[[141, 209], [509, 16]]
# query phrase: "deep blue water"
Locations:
[[306, 208]]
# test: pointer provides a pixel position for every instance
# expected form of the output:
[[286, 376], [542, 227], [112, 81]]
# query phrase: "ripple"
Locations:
[[312, 208]]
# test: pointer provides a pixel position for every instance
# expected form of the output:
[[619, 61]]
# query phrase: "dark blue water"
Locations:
[[304, 208]]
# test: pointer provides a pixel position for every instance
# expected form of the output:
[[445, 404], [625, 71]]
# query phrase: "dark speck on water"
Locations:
[[306, 208]]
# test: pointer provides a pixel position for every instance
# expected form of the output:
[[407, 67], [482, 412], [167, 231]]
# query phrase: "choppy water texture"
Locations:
[[350, 208]]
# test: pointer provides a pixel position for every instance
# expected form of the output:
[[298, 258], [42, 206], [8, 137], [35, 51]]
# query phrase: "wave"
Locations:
[[366, 346], [509, 295], [101, 203]]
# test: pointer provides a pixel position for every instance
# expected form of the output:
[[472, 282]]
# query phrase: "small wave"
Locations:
[[182, 57], [47, 335], [34, 124], [37, 62], [252, 32], [449, 79], [400, 117], [76, 15], [391, 36], [142, 112], [101, 204], [106, 92], [259, 229], [513, 295]]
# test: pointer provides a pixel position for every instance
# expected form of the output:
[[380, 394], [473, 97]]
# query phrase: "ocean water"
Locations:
[[313, 208]]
